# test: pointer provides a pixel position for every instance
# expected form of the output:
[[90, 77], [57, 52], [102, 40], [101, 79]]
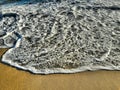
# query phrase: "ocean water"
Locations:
[[64, 37], [10, 3], [24, 1]]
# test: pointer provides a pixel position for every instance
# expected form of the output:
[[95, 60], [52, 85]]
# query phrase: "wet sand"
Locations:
[[14, 79]]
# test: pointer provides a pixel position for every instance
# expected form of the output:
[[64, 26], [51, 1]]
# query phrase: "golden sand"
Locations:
[[14, 79]]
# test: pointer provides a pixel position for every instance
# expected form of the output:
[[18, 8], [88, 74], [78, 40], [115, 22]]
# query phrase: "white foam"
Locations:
[[64, 37]]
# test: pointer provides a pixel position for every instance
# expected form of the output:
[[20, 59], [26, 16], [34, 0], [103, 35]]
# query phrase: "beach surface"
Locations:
[[14, 79]]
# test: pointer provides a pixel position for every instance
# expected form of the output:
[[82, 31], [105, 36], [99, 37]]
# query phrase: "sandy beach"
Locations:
[[14, 79], [38, 54]]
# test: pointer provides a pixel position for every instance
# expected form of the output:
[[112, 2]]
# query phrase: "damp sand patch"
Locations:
[[64, 37]]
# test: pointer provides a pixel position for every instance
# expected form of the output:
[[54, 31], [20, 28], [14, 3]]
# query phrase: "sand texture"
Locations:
[[62, 37]]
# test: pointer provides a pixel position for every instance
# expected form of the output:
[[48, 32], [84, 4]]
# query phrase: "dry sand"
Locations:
[[14, 79]]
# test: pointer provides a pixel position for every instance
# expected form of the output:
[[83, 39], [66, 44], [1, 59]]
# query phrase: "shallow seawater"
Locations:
[[9, 3], [22, 1], [65, 37]]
